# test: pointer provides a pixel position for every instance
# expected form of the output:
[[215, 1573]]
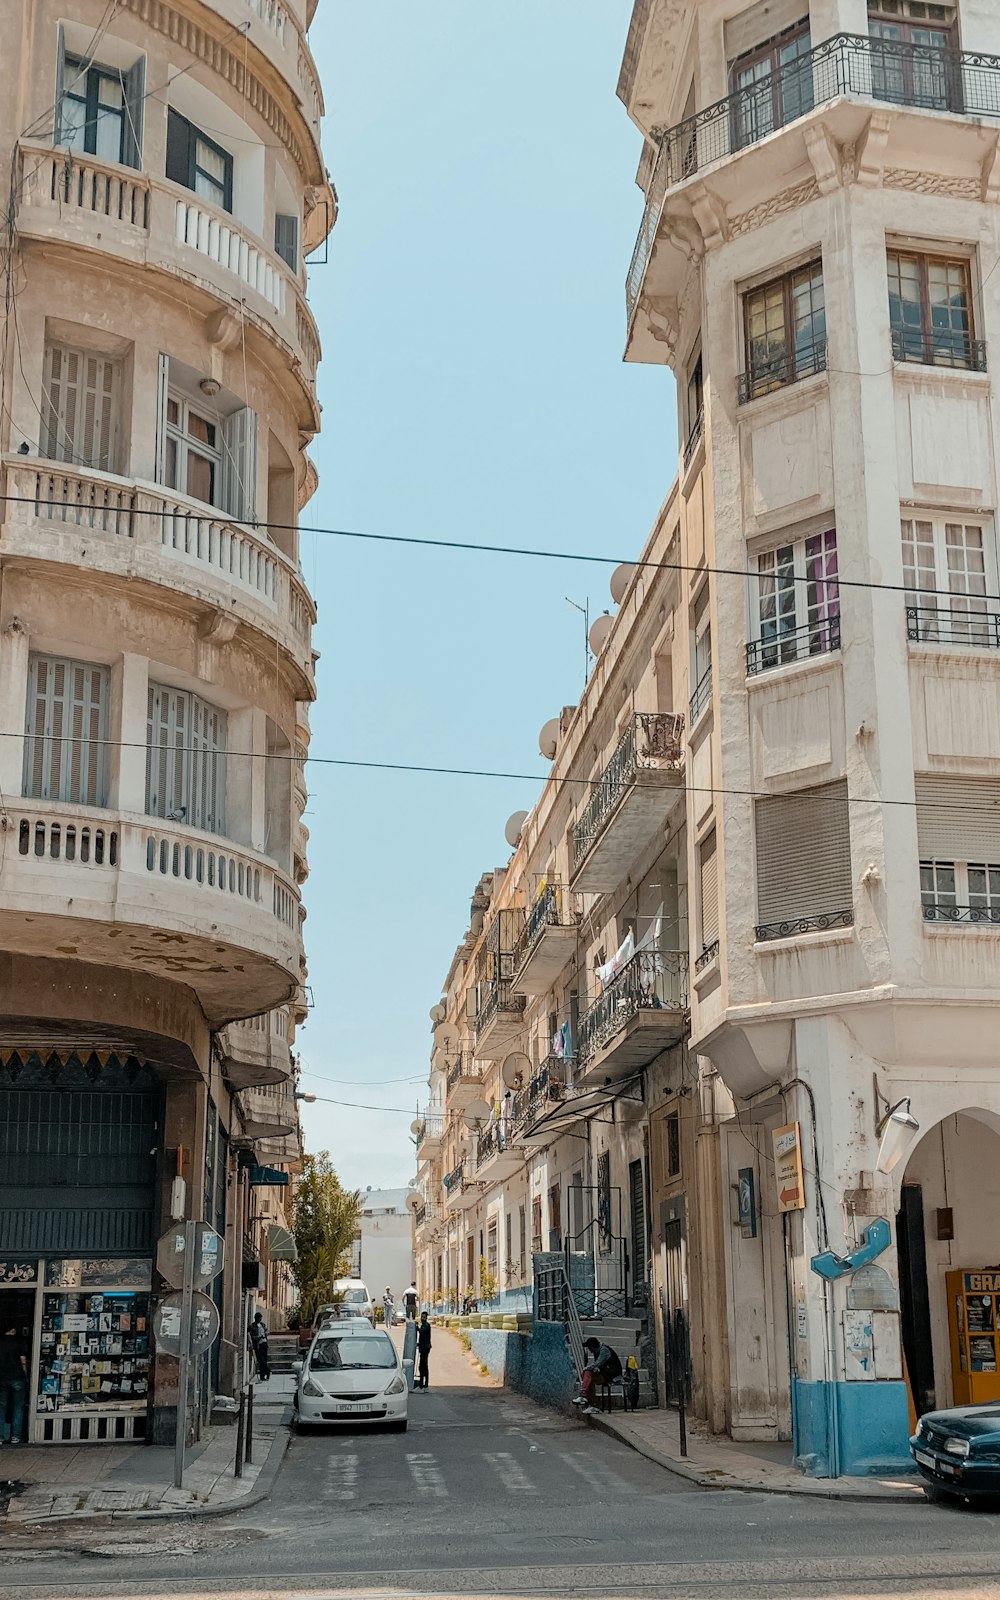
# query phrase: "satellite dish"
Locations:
[[476, 1113], [416, 1125], [413, 1201], [620, 580], [512, 832], [597, 638], [548, 739], [514, 1069], [438, 1012]]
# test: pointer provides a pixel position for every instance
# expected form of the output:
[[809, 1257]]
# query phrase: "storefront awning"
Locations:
[[578, 1106], [280, 1243]]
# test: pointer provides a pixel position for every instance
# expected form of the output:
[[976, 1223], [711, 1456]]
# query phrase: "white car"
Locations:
[[353, 1292], [352, 1373]]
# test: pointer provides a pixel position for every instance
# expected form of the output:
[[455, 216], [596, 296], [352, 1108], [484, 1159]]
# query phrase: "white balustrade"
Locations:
[[67, 180], [202, 229], [73, 840], [274, 15], [60, 494], [235, 551]]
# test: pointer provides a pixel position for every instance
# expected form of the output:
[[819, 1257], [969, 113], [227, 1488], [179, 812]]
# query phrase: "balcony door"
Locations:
[[772, 84], [914, 59]]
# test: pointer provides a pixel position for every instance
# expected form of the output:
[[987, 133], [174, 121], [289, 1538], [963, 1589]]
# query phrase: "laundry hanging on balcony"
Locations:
[[609, 970]]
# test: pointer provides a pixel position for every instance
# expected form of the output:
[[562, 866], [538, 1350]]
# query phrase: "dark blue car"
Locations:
[[958, 1452]]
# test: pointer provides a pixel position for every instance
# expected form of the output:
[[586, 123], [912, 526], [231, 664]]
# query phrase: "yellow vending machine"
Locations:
[[974, 1323]]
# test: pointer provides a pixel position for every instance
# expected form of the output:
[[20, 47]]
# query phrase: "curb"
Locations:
[[263, 1484], [815, 1488]]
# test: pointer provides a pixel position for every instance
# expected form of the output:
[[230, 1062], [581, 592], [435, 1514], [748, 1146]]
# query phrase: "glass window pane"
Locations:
[[108, 135], [212, 162], [200, 477]]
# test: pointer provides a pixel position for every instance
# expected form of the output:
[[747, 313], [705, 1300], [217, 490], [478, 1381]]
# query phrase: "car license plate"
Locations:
[[924, 1459], [357, 1405]]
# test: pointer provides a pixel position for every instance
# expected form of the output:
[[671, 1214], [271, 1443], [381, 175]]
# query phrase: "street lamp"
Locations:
[[310, 1099]]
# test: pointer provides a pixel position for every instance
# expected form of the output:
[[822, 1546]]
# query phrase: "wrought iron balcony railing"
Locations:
[[453, 1179], [430, 1126], [650, 736], [942, 911], [817, 924], [695, 436], [702, 695], [963, 624], [817, 638], [547, 912], [926, 77], [654, 980], [707, 956], [788, 364], [500, 998], [465, 1067], [939, 347]]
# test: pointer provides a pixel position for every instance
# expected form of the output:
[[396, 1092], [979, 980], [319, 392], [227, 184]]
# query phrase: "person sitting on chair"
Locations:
[[604, 1367]]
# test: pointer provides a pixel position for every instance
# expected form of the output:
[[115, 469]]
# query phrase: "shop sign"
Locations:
[[119, 1272], [268, 1177], [18, 1273], [788, 1168]]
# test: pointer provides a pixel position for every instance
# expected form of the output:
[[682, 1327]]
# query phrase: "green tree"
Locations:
[[325, 1222]]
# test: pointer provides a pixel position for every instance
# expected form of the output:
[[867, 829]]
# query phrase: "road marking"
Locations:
[[597, 1478], [426, 1475], [510, 1472], [342, 1478]]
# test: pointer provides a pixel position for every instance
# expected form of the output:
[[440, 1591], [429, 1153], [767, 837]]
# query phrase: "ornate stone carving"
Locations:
[[933, 183], [787, 200]]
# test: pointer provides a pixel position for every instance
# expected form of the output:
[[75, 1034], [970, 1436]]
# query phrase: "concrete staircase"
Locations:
[[621, 1334], [283, 1349]]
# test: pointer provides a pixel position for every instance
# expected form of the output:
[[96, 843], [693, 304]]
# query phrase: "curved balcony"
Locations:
[[255, 1052], [131, 529], [145, 895], [277, 33], [113, 210]]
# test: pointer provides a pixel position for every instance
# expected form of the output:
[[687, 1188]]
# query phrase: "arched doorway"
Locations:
[[948, 1221]]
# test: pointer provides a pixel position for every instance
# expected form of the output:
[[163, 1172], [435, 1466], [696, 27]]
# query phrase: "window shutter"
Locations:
[[178, 165], [186, 758], [709, 891], [82, 400], [65, 753], [162, 381], [286, 240], [958, 819], [804, 854], [60, 79], [762, 22], [239, 464], [135, 84]]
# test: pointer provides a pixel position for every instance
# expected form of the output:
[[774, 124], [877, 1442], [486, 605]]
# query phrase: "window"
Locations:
[[784, 325], [772, 85], [522, 1241], [708, 896], [491, 1248], [913, 54], [555, 1217], [695, 409], [947, 571], [198, 163], [672, 1144], [66, 731], [958, 838], [536, 1223], [193, 458], [81, 399], [100, 109], [930, 311], [794, 602], [286, 240], [185, 759], [804, 878], [203, 453], [701, 664]]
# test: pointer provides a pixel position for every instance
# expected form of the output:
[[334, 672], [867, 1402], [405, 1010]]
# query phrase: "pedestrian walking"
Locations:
[[423, 1350], [13, 1386], [258, 1344], [410, 1299], [604, 1367], [388, 1308]]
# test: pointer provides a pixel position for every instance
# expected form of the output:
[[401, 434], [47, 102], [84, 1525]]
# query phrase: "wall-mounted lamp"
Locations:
[[898, 1129], [310, 1099]]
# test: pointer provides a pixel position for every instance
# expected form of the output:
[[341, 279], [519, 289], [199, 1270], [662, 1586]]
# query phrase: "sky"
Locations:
[[472, 318]]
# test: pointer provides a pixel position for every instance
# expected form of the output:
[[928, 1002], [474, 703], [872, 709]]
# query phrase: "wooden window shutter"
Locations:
[[162, 382], [761, 23], [239, 464], [65, 751], [286, 240], [958, 819], [804, 855], [134, 83], [708, 866]]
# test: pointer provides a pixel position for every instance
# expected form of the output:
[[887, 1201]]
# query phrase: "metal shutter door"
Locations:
[[958, 819], [709, 891], [804, 854]]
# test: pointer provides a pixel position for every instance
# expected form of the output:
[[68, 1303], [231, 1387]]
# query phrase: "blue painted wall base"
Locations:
[[535, 1364], [872, 1428]]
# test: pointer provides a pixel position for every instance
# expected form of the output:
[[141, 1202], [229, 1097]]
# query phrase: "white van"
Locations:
[[354, 1293]]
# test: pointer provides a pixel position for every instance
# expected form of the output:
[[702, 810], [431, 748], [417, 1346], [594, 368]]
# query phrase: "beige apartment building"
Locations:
[[158, 389], [816, 264]]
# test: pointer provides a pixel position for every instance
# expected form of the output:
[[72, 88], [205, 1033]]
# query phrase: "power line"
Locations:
[[209, 515], [362, 1083]]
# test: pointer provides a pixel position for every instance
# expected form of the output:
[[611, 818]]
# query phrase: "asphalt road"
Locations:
[[490, 1495]]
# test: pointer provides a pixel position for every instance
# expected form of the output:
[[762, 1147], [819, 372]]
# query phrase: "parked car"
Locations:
[[352, 1373], [326, 1315], [354, 1292], [958, 1452]]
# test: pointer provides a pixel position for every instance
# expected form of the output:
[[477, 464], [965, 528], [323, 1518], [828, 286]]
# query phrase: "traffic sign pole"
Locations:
[[184, 1358]]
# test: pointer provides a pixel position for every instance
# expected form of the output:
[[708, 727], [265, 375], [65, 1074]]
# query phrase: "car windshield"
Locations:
[[352, 1353], [355, 1297]]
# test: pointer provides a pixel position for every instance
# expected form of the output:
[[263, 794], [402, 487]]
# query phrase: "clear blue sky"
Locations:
[[472, 317]]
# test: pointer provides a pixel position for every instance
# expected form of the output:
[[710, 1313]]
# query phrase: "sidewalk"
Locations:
[[58, 1484], [717, 1462]]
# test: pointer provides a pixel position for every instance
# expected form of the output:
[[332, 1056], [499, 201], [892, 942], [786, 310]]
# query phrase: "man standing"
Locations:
[[410, 1302], [388, 1309], [13, 1386], [258, 1344], [423, 1350]]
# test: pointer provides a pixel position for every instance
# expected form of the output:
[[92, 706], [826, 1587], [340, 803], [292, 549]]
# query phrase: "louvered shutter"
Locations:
[[60, 80], [134, 85], [286, 240], [958, 819], [185, 759], [162, 383], [709, 891], [239, 464], [761, 23], [804, 855], [82, 391], [65, 749]]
